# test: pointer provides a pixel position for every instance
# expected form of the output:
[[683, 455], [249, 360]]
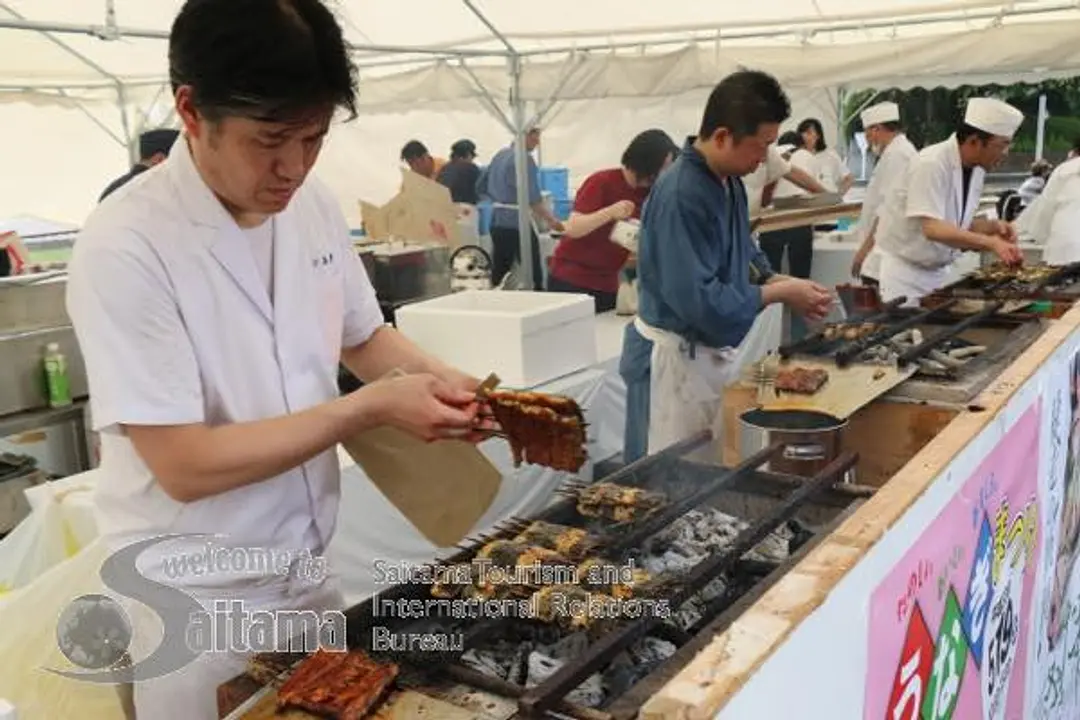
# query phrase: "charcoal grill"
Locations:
[[1062, 285], [802, 508], [945, 325]]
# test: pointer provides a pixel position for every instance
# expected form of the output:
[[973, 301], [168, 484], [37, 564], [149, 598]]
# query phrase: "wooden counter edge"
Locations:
[[713, 677]]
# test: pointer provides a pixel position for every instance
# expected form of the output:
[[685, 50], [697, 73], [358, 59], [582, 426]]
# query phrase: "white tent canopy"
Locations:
[[439, 70]]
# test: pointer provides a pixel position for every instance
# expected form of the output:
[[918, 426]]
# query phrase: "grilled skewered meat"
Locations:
[[455, 581], [999, 272], [571, 607], [346, 686], [617, 502], [838, 331], [569, 541], [543, 429], [524, 564], [806, 381], [598, 575]]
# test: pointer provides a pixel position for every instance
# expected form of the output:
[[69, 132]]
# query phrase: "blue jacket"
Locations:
[[699, 270]]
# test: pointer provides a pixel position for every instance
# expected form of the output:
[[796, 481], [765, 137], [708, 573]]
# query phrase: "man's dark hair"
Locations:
[[646, 153], [413, 150], [743, 102], [1076, 144], [814, 123], [276, 60], [965, 131], [156, 141], [463, 149], [790, 138]]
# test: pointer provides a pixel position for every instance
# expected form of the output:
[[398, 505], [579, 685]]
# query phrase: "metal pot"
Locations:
[[811, 440]]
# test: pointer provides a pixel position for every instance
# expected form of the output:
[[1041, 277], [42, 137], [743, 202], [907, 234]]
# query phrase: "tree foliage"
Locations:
[[931, 115]]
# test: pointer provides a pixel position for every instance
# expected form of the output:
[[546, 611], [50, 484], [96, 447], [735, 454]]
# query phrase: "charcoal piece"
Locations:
[[485, 662], [541, 667]]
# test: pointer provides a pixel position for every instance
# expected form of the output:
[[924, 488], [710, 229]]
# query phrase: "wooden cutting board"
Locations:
[[400, 705], [847, 390]]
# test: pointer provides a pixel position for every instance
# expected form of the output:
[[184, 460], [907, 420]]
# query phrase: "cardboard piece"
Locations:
[[443, 488], [423, 211]]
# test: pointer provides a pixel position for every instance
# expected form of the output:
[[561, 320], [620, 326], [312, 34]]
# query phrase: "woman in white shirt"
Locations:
[[828, 167]]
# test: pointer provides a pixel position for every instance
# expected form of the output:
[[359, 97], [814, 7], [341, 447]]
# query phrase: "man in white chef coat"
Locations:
[[1050, 220], [881, 124], [930, 218], [212, 301]]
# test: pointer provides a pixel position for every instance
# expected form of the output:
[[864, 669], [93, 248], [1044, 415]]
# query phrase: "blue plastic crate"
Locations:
[[563, 208], [555, 180]]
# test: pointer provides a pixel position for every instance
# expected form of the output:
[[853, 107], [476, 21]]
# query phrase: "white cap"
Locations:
[[784, 149], [7, 710], [881, 113], [993, 116]]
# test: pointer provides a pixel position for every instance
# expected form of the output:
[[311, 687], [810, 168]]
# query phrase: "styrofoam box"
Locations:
[[526, 338]]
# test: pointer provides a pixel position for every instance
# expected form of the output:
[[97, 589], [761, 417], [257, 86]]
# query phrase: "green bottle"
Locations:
[[56, 377]]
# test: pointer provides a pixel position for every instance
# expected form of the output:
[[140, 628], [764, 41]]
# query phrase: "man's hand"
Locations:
[[425, 406], [1006, 250], [621, 210], [1006, 230], [557, 225], [805, 297]]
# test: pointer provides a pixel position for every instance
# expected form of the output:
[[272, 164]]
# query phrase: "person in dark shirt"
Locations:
[[461, 173], [154, 147]]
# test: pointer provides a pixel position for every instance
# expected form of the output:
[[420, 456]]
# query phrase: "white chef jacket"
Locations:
[[773, 169], [176, 327], [828, 168], [933, 189], [1063, 237], [890, 170], [1034, 222]]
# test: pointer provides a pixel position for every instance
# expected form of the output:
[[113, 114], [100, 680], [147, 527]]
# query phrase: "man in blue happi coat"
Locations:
[[702, 279]]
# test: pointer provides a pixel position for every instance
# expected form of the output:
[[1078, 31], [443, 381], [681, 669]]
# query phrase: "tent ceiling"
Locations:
[[804, 42]]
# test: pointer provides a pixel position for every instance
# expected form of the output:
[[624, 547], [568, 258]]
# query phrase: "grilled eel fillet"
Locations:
[[571, 607], [601, 576], [543, 429], [523, 561], [345, 686], [619, 503], [569, 541], [266, 668]]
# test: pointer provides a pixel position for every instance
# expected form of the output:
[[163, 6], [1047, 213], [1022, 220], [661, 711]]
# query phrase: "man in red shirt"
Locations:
[[586, 260]]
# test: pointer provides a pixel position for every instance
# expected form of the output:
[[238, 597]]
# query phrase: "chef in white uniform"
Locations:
[[930, 218], [212, 298], [1035, 222], [881, 123]]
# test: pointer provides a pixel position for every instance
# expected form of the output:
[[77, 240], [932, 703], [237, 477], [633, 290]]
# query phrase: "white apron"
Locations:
[[899, 277], [685, 392], [872, 266]]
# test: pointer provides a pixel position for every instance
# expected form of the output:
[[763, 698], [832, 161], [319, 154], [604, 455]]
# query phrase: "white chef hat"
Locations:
[[884, 112], [993, 116]]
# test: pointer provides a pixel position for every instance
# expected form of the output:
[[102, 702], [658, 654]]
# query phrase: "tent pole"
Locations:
[[521, 175], [121, 103], [486, 100]]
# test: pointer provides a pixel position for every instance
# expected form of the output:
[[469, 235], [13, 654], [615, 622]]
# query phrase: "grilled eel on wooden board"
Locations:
[[345, 686], [543, 429]]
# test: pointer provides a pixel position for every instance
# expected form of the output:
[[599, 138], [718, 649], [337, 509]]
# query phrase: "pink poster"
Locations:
[[948, 625]]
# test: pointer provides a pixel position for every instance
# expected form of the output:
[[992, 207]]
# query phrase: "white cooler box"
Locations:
[[526, 338]]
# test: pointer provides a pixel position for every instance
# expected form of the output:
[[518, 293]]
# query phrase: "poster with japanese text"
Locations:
[[948, 625], [1054, 667]]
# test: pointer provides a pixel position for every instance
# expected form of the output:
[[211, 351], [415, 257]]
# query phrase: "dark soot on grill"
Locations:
[[791, 420]]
